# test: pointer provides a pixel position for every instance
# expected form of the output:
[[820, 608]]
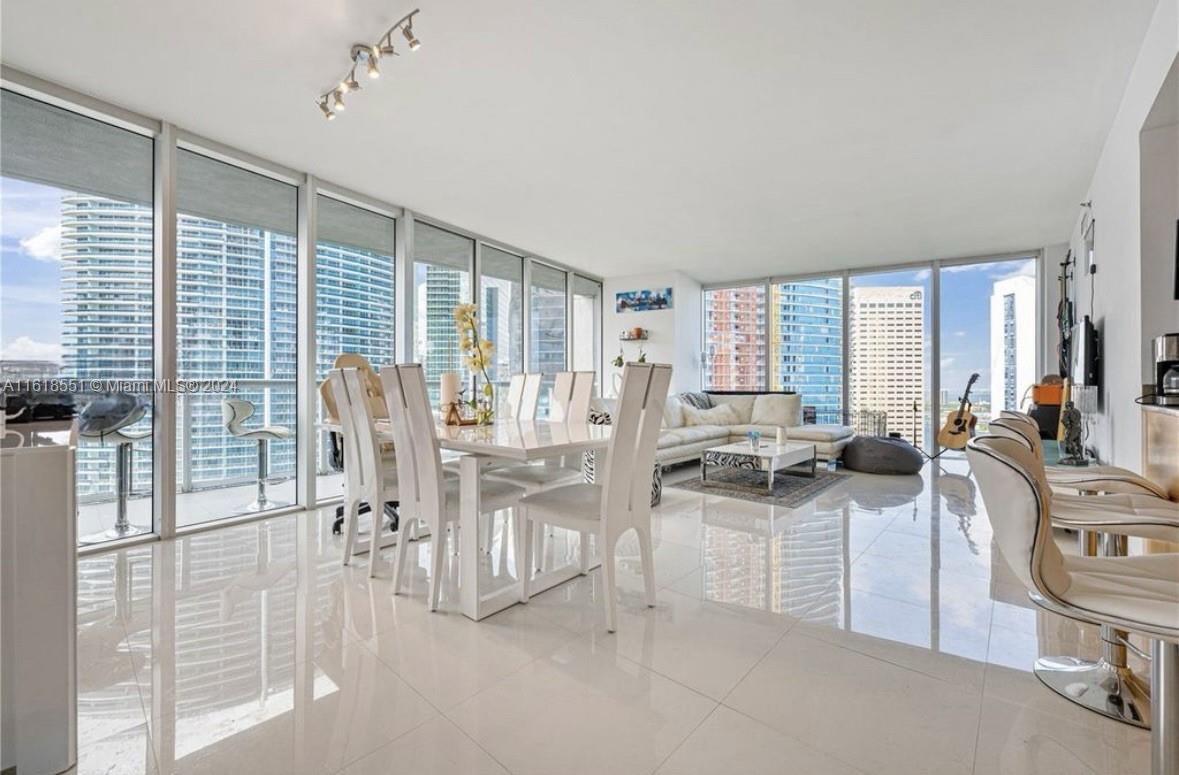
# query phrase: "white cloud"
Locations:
[[24, 348], [45, 244], [959, 333]]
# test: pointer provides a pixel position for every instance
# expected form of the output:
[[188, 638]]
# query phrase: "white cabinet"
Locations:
[[38, 572]]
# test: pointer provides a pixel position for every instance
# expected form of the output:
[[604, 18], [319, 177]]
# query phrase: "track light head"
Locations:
[[407, 31], [350, 83], [385, 47], [337, 101], [327, 112], [374, 70]]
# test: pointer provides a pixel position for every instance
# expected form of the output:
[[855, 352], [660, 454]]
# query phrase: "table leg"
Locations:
[[770, 478], [814, 466], [469, 594], [703, 468]]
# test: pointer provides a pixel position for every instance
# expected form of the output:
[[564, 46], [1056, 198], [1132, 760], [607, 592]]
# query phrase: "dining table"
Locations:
[[479, 447]]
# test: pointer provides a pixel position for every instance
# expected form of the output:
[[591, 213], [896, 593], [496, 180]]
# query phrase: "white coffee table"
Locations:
[[768, 457]]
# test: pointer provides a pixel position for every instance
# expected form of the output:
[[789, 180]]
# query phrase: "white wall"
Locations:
[[674, 333], [1115, 193], [1160, 209]]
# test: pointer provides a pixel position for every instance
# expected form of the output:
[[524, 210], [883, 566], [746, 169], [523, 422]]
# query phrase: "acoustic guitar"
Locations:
[[959, 427]]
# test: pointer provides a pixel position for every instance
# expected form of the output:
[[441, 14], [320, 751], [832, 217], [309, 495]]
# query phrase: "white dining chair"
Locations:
[[511, 407], [428, 497], [368, 476], [572, 395], [529, 397], [623, 501]]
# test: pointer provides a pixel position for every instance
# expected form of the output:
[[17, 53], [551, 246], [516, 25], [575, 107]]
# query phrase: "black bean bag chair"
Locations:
[[882, 455]]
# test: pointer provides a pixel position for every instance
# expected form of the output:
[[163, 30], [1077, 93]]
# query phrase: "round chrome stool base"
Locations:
[[1099, 686], [114, 534]]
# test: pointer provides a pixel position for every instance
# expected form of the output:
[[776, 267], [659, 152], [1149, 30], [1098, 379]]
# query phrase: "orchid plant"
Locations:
[[477, 352]]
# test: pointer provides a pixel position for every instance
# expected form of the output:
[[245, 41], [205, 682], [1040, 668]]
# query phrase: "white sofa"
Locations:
[[681, 440]]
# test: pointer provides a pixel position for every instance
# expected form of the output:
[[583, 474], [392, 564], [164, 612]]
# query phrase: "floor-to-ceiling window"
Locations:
[[735, 338], [501, 313], [547, 326], [442, 263], [354, 304], [76, 293], [235, 319], [889, 340], [806, 343], [587, 326], [988, 327]]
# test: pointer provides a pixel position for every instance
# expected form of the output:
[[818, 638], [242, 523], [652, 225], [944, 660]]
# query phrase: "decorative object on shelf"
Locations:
[[1074, 449], [633, 334], [647, 300], [367, 56], [477, 353], [620, 359]]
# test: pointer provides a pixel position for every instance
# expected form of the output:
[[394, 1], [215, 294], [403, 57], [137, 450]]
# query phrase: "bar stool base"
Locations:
[[1113, 692]]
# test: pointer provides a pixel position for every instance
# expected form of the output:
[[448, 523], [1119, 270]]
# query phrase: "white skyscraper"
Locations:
[[1013, 345], [887, 338]]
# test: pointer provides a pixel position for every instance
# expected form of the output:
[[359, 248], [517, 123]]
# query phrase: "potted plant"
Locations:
[[477, 352]]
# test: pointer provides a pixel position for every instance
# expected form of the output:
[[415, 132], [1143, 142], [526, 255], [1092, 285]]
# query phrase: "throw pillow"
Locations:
[[717, 415], [698, 400], [782, 410], [673, 413]]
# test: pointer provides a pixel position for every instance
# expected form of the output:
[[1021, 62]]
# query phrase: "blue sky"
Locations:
[[30, 270], [965, 314]]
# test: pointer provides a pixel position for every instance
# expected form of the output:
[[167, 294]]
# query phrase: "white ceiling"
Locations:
[[723, 139]]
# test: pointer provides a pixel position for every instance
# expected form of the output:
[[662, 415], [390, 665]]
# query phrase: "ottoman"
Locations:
[[882, 455]]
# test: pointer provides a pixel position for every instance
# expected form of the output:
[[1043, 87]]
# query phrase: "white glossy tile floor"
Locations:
[[872, 630]]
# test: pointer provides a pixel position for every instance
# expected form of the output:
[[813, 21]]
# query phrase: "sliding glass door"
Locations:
[[442, 263], [76, 296], [547, 327], [587, 327], [806, 343], [735, 338], [354, 306], [988, 327], [501, 313], [235, 318], [889, 352]]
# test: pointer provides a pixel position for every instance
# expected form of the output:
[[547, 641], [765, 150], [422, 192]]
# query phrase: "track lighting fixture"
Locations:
[[407, 31], [332, 101]]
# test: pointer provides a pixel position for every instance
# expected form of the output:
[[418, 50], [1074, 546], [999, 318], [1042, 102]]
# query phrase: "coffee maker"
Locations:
[[1166, 370]]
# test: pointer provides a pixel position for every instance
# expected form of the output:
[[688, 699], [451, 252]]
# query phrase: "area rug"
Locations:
[[789, 490]]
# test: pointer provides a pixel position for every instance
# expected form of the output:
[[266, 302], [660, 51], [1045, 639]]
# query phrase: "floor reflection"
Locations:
[[253, 648]]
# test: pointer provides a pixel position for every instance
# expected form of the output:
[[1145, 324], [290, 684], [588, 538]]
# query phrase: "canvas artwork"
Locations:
[[643, 301]]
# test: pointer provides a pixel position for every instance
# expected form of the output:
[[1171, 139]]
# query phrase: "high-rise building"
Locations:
[[887, 351], [806, 343], [1013, 346], [236, 319], [439, 290], [734, 340]]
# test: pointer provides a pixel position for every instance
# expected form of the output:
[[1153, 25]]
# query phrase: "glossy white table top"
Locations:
[[514, 439]]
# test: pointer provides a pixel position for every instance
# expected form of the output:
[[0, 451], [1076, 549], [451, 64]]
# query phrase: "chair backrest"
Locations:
[[511, 409], [529, 397], [362, 453], [415, 440], [1019, 511], [1029, 434], [234, 412], [376, 399], [630, 455], [572, 393], [583, 396]]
